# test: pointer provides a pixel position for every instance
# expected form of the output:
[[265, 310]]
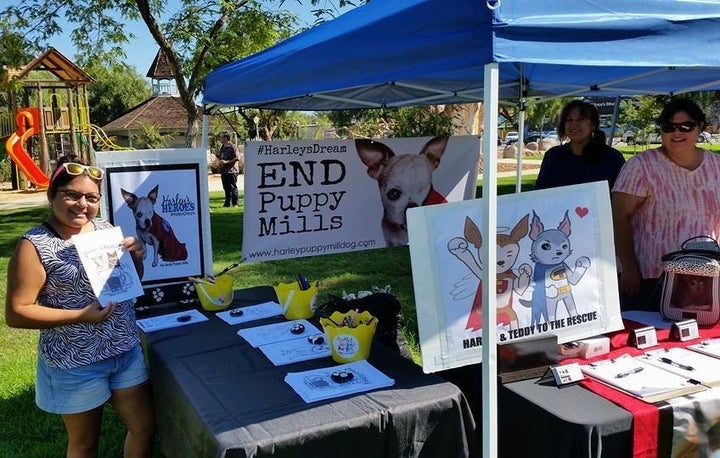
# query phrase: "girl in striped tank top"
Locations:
[[88, 354]]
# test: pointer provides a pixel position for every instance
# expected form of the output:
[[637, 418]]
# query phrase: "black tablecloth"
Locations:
[[217, 396], [568, 422], [540, 420]]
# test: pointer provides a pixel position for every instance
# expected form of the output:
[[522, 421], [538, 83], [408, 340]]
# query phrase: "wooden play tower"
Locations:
[[48, 116]]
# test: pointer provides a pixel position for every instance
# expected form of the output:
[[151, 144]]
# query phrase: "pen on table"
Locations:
[[634, 370], [673, 363]]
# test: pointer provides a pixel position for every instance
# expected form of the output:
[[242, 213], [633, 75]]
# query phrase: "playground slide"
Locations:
[[15, 146]]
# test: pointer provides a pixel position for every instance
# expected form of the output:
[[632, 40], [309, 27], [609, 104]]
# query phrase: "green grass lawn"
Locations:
[[629, 151]]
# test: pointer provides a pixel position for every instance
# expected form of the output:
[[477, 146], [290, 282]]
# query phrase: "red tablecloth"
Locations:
[[646, 417]]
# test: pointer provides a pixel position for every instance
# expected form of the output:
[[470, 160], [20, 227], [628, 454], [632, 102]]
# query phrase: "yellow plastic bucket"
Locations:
[[296, 303], [214, 296], [349, 335]]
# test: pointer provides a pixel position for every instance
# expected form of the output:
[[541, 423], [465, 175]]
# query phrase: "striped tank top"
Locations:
[[67, 286]]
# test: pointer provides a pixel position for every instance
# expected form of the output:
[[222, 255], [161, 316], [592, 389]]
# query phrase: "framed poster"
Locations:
[[556, 272], [161, 198]]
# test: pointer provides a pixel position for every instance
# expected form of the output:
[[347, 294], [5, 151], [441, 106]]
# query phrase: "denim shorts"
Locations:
[[66, 391]]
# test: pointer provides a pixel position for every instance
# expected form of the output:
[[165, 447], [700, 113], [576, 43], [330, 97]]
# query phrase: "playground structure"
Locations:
[[48, 118]]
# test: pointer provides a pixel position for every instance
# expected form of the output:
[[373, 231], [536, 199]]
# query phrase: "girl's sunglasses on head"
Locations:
[[685, 126], [73, 168]]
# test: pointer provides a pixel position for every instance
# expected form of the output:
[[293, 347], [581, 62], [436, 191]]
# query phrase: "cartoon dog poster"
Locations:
[[160, 197], [555, 271]]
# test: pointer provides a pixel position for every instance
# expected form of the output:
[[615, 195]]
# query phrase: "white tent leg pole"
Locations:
[[520, 148], [206, 206], [489, 257], [205, 132]]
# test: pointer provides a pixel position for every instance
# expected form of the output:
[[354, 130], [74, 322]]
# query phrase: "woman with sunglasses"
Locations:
[[88, 354], [585, 157], [661, 198]]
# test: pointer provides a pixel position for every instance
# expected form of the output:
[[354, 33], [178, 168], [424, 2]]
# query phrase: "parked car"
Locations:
[[705, 137], [534, 136], [628, 137], [643, 138], [511, 137]]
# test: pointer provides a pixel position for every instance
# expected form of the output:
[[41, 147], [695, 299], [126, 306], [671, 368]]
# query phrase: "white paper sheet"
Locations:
[[110, 268], [318, 384], [251, 313], [687, 363], [295, 350], [709, 347], [640, 378], [277, 332], [172, 320]]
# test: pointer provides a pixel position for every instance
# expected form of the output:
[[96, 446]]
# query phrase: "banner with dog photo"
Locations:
[[161, 198], [307, 198], [555, 271]]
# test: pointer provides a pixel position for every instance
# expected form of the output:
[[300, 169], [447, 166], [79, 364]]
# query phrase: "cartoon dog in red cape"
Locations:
[[507, 282]]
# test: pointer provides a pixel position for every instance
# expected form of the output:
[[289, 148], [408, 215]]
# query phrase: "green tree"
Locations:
[[709, 101], [118, 88], [13, 47], [13, 53], [199, 36], [393, 122], [151, 138], [544, 115], [641, 112], [420, 121]]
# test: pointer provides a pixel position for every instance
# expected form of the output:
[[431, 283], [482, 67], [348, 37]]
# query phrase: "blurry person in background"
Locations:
[[228, 158]]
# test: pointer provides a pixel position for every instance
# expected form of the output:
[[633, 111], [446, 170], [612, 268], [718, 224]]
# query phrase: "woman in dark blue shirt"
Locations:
[[585, 157]]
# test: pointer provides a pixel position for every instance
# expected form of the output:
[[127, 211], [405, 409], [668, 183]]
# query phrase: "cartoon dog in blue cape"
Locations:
[[552, 277]]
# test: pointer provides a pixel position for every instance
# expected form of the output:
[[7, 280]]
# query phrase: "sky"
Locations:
[[142, 49]]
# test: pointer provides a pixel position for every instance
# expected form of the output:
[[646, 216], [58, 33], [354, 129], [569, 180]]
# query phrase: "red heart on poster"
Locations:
[[581, 211]]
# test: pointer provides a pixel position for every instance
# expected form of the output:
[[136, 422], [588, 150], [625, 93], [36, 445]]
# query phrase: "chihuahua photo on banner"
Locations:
[[405, 181], [154, 230]]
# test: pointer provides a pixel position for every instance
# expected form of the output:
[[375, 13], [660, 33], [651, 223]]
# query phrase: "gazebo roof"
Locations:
[[160, 69], [163, 112]]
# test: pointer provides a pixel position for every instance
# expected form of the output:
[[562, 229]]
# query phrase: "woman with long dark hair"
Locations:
[[584, 157], [88, 353]]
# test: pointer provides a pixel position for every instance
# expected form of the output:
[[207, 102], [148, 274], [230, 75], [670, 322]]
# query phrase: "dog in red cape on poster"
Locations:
[[405, 181], [507, 283], [154, 230]]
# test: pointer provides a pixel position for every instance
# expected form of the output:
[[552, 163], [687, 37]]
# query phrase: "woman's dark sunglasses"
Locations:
[[685, 126]]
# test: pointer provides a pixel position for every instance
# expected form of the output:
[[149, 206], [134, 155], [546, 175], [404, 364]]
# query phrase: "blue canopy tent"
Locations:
[[392, 53], [419, 52]]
